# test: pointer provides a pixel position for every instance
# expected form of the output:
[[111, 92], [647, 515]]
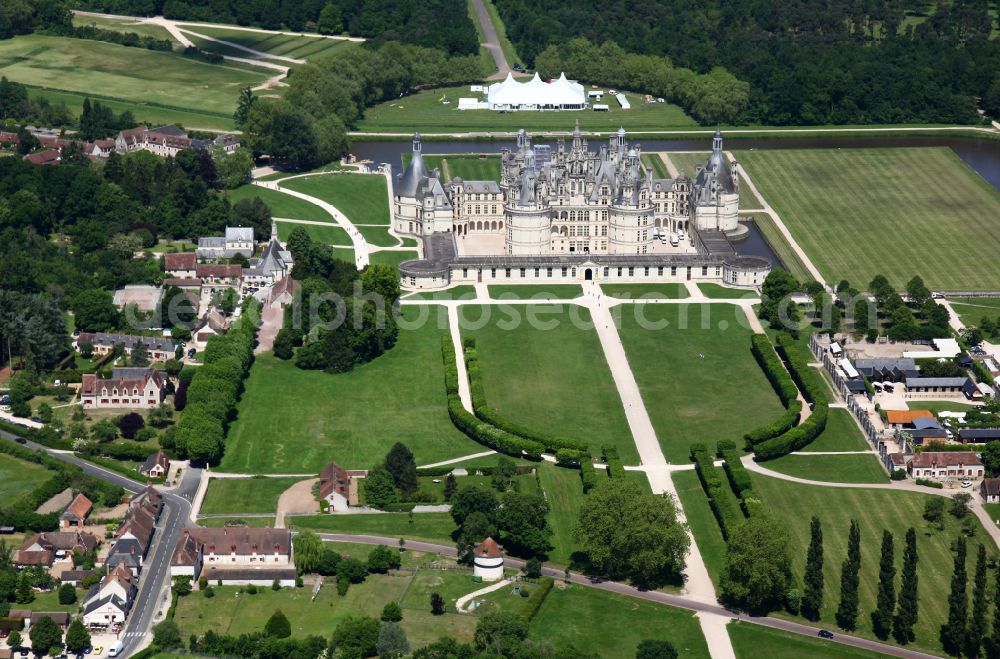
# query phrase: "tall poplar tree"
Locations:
[[980, 607], [993, 642], [906, 610], [885, 603], [953, 631], [847, 612], [812, 599]]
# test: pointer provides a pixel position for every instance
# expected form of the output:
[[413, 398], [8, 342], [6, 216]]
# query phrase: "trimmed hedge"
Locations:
[[739, 480], [784, 386], [588, 475], [616, 469], [400, 507], [536, 602], [788, 420], [482, 410], [727, 516], [568, 457], [434, 471], [468, 423]]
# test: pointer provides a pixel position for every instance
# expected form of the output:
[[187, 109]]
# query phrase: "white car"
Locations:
[[966, 483]]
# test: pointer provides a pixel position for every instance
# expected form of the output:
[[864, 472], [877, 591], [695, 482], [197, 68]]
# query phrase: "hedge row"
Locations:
[[814, 391], [434, 471], [727, 516], [739, 480], [616, 469], [788, 420], [482, 410], [468, 423], [784, 386], [536, 602], [588, 475]]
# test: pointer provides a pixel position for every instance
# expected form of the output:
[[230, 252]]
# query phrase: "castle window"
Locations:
[[493, 273], [645, 272], [522, 273], [548, 272], [619, 272], [718, 271], [704, 270], [659, 271], [606, 271], [506, 273], [673, 271], [564, 272], [631, 272]]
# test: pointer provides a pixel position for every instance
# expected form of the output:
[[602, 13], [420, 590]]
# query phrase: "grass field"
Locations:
[[252, 522], [534, 291], [425, 112], [391, 258], [429, 527], [361, 197], [286, 45], [470, 167], [295, 421], [757, 641], [18, 477], [564, 494], [570, 391], [692, 399], [281, 204], [848, 468], [874, 510], [611, 625], [841, 434], [972, 310], [937, 406], [328, 235], [378, 236], [655, 162], [244, 495], [120, 73], [688, 162], [789, 259], [719, 292], [462, 292], [898, 212], [701, 520], [126, 25], [650, 291]]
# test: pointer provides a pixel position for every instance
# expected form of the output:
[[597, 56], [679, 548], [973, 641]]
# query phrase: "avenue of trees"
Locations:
[[807, 62]]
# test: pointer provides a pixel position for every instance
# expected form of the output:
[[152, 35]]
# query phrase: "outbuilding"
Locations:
[[487, 560]]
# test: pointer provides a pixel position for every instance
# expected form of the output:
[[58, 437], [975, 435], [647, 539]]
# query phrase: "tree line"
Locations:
[[807, 62]]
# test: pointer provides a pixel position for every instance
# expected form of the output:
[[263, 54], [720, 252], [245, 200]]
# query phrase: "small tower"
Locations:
[[717, 141], [487, 560], [417, 146]]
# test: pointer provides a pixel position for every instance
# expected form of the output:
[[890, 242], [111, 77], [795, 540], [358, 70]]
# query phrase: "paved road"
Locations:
[[156, 571], [679, 601], [492, 41]]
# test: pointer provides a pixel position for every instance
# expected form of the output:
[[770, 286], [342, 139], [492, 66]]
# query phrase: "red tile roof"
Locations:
[[79, 508], [218, 270], [180, 261], [488, 548], [906, 416], [945, 459], [334, 479]]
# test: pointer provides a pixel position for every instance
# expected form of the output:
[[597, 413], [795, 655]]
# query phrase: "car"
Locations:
[[98, 649], [21, 440], [24, 652], [87, 650], [4, 633], [966, 483], [36, 419], [825, 634]]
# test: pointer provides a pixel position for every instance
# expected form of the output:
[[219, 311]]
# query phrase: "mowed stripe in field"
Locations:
[[899, 211]]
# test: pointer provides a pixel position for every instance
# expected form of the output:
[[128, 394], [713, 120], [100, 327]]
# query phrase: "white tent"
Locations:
[[561, 94]]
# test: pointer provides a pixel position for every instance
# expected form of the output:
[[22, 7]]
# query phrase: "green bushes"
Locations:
[[783, 385], [788, 420], [726, 515], [434, 472], [482, 410], [926, 482], [616, 469], [568, 457], [588, 475], [739, 480], [531, 610]]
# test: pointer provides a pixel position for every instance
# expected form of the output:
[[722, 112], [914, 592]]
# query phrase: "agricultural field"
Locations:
[[846, 468], [875, 511], [427, 112], [285, 45], [244, 495], [113, 72], [972, 310], [696, 374], [361, 197], [570, 391], [296, 421], [19, 477], [866, 201], [328, 235]]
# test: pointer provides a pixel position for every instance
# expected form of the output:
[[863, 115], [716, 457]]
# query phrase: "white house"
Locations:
[[946, 464], [109, 601], [127, 388], [231, 548]]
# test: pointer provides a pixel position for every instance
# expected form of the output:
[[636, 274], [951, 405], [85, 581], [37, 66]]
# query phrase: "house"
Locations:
[[252, 576], [924, 437], [274, 264], [61, 618], [159, 142], [237, 240], [127, 388], [211, 324], [977, 390], [133, 139], [228, 548], [978, 435], [990, 490], [905, 418], [935, 385], [338, 487], [215, 276], [44, 548], [945, 464], [894, 462], [181, 264], [134, 534], [100, 148], [159, 349], [487, 560], [109, 601], [283, 292], [156, 466], [76, 577], [887, 370], [46, 157], [76, 512]]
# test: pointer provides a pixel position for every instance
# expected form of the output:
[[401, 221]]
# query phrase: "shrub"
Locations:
[[536, 603], [727, 516], [929, 483], [588, 475], [615, 467]]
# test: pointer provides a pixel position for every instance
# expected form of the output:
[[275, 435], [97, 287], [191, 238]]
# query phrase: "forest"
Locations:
[[808, 62]]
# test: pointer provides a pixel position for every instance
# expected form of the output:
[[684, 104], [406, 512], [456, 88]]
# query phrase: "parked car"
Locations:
[[966, 483], [4, 633], [825, 634], [21, 440]]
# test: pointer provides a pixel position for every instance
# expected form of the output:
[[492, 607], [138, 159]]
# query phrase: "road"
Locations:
[[679, 601], [155, 575], [492, 41]]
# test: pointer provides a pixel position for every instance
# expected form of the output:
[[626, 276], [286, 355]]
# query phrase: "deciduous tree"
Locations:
[[757, 571]]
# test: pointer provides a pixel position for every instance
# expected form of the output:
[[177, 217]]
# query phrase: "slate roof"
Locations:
[[935, 382], [158, 458]]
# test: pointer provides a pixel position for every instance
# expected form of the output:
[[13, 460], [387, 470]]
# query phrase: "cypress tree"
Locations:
[[953, 632], [886, 600], [847, 612], [906, 612], [812, 600], [977, 624], [993, 643]]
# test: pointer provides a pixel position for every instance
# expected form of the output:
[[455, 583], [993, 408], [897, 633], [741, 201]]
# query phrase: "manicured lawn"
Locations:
[[429, 527], [655, 162], [852, 209], [692, 399], [19, 477], [993, 510], [391, 258], [425, 112], [972, 310], [755, 641], [329, 235], [841, 434], [474, 168], [121, 73], [462, 292], [296, 421], [702, 521], [719, 292], [564, 494], [50, 602], [612, 625], [281, 204], [569, 391], [344, 253], [534, 291], [378, 236], [875, 510], [650, 291], [790, 261], [938, 406], [308, 48], [361, 197], [849, 468], [244, 495], [252, 522]]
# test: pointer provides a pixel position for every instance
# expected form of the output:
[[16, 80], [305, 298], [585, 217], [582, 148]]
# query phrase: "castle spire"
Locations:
[[717, 141]]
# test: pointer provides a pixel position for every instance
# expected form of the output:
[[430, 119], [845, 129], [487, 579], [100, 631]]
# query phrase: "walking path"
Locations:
[[492, 41], [255, 53], [445, 463], [467, 599], [463, 376], [298, 499], [671, 167]]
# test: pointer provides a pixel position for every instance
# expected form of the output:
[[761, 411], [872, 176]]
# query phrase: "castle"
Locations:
[[577, 201], [597, 209]]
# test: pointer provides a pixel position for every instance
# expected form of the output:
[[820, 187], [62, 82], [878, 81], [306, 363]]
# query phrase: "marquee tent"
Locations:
[[561, 94]]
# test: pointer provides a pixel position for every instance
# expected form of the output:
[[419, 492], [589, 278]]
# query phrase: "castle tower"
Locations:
[[528, 215]]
